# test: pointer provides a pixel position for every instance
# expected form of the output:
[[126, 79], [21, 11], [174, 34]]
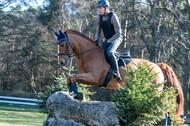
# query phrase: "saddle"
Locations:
[[122, 59], [123, 55]]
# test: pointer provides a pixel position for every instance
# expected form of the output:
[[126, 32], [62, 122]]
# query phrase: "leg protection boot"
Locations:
[[77, 95]]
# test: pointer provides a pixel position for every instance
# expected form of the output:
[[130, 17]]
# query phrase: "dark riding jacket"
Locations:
[[110, 25]]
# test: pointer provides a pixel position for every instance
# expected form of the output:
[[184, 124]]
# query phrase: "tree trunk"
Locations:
[[186, 84]]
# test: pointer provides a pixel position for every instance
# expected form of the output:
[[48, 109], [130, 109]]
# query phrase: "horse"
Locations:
[[93, 67]]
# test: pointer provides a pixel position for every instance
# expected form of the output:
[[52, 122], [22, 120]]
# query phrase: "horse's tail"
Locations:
[[174, 82]]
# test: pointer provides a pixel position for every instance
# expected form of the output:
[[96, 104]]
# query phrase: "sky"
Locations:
[[35, 3]]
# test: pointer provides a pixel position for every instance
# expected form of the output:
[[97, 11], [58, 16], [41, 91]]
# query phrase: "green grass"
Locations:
[[20, 115]]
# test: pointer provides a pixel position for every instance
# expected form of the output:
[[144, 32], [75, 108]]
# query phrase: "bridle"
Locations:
[[69, 44]]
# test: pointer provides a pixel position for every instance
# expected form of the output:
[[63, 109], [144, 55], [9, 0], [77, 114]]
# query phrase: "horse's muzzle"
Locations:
[[63, 62]]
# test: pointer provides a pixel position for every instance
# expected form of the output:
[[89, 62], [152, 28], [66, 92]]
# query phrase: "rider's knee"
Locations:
[[110, 53]]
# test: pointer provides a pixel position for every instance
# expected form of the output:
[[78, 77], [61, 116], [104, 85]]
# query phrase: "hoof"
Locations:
[[79, 96]]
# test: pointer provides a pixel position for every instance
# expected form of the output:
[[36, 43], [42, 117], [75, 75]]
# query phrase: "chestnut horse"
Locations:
[[93, 66]]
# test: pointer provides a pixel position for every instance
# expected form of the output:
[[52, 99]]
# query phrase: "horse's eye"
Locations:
[[62, 45]]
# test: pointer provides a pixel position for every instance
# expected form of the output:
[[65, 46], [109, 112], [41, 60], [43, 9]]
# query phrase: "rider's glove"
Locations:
[[97, 41]]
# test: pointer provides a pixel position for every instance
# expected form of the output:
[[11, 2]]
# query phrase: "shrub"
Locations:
[[140, 103], [59, 86]]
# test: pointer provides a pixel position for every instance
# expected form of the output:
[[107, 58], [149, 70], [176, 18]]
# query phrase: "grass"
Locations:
[[20, 115]]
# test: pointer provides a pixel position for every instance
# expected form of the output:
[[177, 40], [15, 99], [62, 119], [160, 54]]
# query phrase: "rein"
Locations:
[[68, 43]]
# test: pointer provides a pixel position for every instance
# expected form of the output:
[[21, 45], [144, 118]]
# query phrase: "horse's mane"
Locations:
[[80, 34]]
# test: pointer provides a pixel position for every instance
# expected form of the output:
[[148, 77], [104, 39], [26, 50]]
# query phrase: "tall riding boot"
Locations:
[[114, 65]]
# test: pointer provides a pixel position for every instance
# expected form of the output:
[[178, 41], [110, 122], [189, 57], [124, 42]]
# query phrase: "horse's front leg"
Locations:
[[73, 91], [85, 78]]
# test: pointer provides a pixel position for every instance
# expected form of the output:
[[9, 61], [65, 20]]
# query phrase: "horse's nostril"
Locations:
[[61, 63]]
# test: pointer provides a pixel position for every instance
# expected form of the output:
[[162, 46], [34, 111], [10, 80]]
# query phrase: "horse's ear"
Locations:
[[56, 33], [60, 32]]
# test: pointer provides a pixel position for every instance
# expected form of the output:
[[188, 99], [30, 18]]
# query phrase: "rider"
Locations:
[[109, 23]]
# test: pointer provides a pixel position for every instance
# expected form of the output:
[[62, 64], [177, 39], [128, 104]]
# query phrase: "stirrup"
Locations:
[[117, 76]]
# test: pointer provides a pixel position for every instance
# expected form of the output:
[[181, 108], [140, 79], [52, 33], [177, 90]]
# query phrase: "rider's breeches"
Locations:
[[113, 47], [110, 53]]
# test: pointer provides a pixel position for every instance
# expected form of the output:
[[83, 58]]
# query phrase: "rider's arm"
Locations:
[[98, 29], [117, 28]]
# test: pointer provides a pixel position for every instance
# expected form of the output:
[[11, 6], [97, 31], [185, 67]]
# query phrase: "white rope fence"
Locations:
[[21, 101]]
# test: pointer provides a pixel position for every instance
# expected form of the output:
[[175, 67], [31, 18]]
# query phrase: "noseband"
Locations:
[[67, 47]]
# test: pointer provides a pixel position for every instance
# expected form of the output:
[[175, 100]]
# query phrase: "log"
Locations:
[[64, 110]]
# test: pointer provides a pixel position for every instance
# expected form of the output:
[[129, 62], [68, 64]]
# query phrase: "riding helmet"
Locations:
[[103, 3]]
